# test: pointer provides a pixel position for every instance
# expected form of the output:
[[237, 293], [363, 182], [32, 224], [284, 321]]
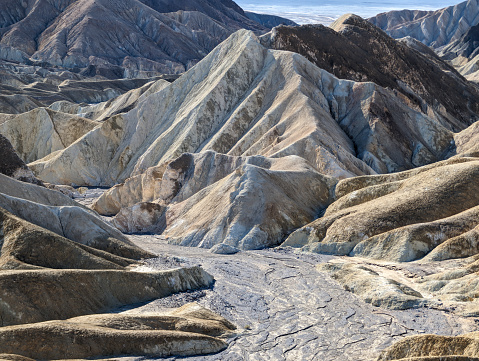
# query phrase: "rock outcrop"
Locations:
[[42, 131], [399, 217], [135, 38], [276, 104], [255, 195], [433, 28], [354, 49], [12, 166], [188, 331], [434, 348], [58, 213]]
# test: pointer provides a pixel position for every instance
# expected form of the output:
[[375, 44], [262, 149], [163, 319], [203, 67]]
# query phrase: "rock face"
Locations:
[[138, 37], [434, 348], [255, 195], [433, 28], [354, 49], [281, 105], [40, 132], [12, 166]]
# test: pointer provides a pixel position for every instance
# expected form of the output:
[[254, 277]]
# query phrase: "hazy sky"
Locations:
[[325, 11]]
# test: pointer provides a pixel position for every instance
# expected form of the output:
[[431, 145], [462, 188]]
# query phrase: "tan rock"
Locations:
[[467, 141], [246, 202], [292, 108], [60, 214], [399, 217], [30, 296], [42, 131], [190, 330], [27, 246], [434, 348]]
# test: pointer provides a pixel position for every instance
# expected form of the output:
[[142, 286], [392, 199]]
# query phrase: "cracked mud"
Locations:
[[286, 309]]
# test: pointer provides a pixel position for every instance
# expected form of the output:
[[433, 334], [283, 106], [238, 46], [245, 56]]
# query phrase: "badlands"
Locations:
[[186, 180]]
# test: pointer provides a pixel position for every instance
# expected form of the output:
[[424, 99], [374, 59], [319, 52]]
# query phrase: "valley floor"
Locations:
[[287, 310]]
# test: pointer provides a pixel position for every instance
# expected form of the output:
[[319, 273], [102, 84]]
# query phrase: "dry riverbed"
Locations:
[[286, 309]]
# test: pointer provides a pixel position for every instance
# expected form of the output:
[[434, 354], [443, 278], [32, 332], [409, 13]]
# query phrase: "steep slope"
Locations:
[[37, 133], [354, 49], [140, 39], [464, 53], [12, 166], [433, 28], [255, 195], [243, 99]]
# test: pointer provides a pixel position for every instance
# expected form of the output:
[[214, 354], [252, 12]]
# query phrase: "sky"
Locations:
[[326, 11]]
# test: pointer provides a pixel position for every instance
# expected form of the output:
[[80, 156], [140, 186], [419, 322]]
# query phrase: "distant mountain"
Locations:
[[141, 38], [433, 28], [357, 50], [24, 87], [270, 21], [464, 53]]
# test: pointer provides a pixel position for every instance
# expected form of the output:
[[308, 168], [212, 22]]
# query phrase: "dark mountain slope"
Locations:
[[154, 36], [357, 50]]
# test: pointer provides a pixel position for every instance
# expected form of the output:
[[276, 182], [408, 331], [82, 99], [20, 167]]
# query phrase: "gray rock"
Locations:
[[223, 248]]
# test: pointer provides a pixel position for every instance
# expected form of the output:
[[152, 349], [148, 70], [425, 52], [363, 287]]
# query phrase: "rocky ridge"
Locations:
[[252, 120], [134, 38], [254, 195], [427, 83], [452, 32], [165, 194], [464, 54], [26, 86], [433, 28]]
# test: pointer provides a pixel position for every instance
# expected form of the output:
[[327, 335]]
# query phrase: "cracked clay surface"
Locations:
[[286, 309]]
